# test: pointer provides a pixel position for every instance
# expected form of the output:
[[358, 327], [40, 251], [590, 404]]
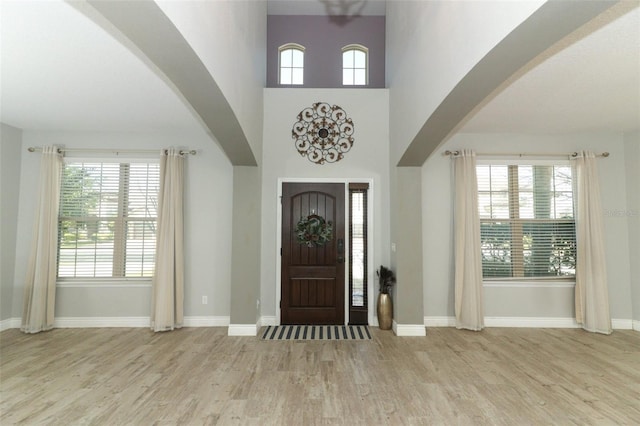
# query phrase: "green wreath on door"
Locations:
[[314, 231]]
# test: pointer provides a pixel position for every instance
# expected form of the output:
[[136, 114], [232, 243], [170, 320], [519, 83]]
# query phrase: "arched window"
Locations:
[[291, 64], [355, 65]]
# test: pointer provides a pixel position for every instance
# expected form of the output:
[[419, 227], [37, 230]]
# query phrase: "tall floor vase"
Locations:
[[385, 311]]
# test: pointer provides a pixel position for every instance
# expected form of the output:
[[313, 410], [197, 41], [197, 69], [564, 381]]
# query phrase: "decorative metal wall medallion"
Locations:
[[323, 133]]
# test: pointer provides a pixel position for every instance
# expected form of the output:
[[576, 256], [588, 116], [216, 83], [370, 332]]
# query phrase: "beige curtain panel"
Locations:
[[591, 291], [469, 302], [40, 283], [168, 279]]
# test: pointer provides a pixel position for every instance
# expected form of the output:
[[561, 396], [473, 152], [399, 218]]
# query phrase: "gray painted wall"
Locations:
[[407, 207], [323, 40], [481, 21], [550, 300], [245, 248], [632, 213], [452, 37], [10, 152], [207, 216], [229, 38]]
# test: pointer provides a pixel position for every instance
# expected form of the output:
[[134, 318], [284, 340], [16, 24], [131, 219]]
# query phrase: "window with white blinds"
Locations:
[[107, 219], [358, 250], [527, 226], [358, 230]]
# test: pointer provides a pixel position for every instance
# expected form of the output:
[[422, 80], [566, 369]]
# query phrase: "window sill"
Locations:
[[104, 283], [529, 284]]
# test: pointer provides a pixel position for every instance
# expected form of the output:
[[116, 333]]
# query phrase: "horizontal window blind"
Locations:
[[357, 246], [527, 226], [107, 220], [358, 229]]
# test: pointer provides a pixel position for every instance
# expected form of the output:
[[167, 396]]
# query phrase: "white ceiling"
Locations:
[[588, 82], [60, 71]]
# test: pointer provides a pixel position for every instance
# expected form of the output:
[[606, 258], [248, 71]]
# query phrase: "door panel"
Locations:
[[312, 277]]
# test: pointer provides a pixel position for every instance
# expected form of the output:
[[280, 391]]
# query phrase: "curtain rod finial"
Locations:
[[31, 149], [605, 154]]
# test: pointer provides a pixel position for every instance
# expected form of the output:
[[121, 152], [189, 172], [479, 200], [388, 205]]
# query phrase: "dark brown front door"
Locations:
[[312, 277]]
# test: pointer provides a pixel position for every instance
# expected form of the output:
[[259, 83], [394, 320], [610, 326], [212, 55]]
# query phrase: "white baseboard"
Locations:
[[101, 322], [10, 323], [266, 320], [622, 324], [243, 330], [207, 321], [530, 322], [439, 321], [405, 330], [112, 322], [252, 329]]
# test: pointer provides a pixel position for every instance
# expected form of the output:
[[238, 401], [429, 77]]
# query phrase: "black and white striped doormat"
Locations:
[[317, 332]]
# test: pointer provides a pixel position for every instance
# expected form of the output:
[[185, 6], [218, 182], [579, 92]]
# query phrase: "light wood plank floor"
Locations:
[[196, 376]]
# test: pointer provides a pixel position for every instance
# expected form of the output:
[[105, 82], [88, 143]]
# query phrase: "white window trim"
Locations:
[[155, 159], [99, 282], [488, 161], [288, 46], [78, 282], [524, 283], [365, 50], [521, 282]]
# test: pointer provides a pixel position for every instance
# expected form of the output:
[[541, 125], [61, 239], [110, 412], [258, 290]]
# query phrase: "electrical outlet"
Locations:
[[204, 300], [257, 304]]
